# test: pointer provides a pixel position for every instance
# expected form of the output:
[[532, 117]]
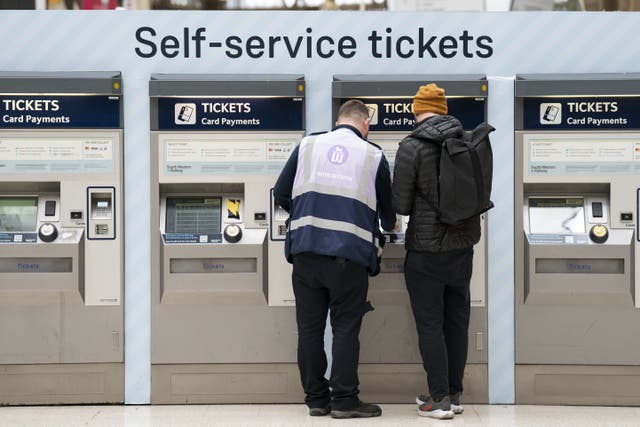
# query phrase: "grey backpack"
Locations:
[[466, 173]]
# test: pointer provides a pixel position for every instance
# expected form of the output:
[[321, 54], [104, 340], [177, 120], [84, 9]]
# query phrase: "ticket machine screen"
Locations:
[[18, 214], [563, 215], [193, 215]]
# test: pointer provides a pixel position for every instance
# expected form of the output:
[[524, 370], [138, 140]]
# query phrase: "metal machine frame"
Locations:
[[575, 314], [62, 333], [223, 337]]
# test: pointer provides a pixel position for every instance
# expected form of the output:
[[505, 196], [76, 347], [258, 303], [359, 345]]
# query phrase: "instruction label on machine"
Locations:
[[602, 154], [56, 155], [225, 156]]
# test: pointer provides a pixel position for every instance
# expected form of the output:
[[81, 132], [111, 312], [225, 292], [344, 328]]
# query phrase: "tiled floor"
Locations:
[[296, 415]]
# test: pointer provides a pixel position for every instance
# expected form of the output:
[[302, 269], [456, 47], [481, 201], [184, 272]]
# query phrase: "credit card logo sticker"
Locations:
[[550, 113], [185, 114], [373, 113]]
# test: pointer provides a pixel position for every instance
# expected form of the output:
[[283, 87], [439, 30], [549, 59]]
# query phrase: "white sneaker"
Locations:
[[432, 409], [456, 407]]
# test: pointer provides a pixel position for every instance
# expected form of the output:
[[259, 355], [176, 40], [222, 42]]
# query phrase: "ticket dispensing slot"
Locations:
[[207, 253], [572, 249], [29, 225]]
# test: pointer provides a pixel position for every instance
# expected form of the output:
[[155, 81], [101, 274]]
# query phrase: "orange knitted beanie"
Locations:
[[430, 99]]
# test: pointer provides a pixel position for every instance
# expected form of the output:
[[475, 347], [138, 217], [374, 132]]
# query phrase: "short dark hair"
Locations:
[[353, 109]]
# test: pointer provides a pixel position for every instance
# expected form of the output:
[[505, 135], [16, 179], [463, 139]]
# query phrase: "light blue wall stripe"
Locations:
[[137, 313], [500, 254]]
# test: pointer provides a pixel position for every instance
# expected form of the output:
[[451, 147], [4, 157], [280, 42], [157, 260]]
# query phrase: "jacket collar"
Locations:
[[353, 129], [418, 124]]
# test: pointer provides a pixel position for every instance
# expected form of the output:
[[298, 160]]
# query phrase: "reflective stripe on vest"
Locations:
[[331, 225], [346, 227]]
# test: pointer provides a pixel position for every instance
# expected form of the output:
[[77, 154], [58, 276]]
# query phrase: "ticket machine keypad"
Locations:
[[102, 209], [50, 208]]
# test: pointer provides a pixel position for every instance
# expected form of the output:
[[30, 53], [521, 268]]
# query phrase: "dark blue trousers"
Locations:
[[438, 285], [323, 284]]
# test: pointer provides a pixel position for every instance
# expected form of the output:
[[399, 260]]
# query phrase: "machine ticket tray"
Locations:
[[39, 267], [210, 273], [580, 273]]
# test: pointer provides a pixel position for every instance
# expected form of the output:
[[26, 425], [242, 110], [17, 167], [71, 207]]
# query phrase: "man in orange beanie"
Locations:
[[439, 256], [429, 101]]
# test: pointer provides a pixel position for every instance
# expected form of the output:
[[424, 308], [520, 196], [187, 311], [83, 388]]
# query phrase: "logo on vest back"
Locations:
[[338, 154]]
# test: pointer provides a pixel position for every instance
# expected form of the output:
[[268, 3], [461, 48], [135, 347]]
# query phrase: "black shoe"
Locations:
[[363, 410], [319, 412]]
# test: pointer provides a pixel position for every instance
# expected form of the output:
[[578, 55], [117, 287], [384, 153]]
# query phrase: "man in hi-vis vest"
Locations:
[[336, 187]]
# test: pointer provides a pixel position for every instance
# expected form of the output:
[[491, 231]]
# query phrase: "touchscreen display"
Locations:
[[200, 215], [562, 215], [18, 214]]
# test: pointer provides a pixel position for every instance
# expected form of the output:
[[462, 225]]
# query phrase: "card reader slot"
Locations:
[[596, 209], [50, 208]]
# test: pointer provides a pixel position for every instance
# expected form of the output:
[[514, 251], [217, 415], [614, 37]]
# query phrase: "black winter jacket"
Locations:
[[415, 189]]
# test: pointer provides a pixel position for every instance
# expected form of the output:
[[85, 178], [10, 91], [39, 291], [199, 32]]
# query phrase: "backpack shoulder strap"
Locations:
[[455, 146], [480, 132]]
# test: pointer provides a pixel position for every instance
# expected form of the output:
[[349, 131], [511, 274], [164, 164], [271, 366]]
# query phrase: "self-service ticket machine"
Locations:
[[390, 365], [577, 186], [61, 246], [223, 325]]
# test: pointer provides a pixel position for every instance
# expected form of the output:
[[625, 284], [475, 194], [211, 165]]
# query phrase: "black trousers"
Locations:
[[324, 284], [438, 285]]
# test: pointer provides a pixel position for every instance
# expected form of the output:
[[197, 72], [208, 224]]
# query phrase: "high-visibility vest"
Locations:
[[333, 206]]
